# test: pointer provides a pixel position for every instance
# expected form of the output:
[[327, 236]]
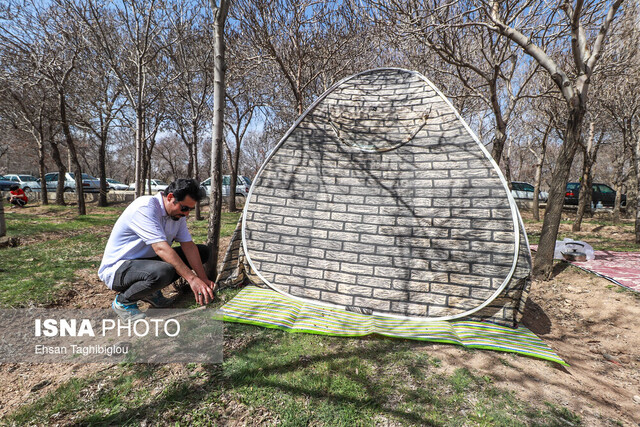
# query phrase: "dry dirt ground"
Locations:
[[591, 323]]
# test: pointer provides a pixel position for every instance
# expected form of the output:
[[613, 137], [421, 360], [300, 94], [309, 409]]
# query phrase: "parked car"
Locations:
[[5, 184], [524, 190], [601, 194], [116, 185], [90, 184], [26, 182], [156, 185], [242, 185]]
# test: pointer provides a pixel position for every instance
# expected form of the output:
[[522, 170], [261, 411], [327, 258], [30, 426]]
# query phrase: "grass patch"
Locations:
[[39, 272], [57, 219], [199, 229], [268, 376], [293, 379]]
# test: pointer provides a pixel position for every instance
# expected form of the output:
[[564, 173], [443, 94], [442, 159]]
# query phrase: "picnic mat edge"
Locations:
[[270, 309]]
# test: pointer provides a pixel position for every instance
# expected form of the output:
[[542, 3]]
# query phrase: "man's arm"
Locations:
[[190, 250], [202, 287]]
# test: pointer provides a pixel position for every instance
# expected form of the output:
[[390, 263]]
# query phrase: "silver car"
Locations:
[[90, 184], [242, 185], [116, 185], [26, 182], [156, 185]]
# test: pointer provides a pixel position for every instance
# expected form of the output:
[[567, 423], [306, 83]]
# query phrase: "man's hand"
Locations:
[[203, 290]]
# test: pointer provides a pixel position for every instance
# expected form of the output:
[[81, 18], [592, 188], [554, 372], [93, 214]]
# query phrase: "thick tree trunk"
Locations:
[[215, 204], [543, 263]]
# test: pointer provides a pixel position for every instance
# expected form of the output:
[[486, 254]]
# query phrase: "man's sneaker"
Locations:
[[158, 300], [127, 311]]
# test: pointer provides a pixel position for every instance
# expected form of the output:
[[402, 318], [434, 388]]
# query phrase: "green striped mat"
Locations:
[[268, 308]]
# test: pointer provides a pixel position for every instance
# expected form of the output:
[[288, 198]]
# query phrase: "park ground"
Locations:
[[273, 377]]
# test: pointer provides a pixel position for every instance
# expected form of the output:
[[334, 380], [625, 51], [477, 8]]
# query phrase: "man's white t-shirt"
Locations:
[[144, 222]]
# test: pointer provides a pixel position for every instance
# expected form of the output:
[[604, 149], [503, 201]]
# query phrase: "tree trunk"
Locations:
[[506, 162], [590, 154], [500, 136], [584, 197], [102, 166], [617, 185], [233, 181], [196, 173], [234, 172], [543, 263], [215, 205], [538, 174], [44, 194], [145, 170], [636, 164], [82, 209], [538, 179], [62, 171], [139, 136], [3, 224]]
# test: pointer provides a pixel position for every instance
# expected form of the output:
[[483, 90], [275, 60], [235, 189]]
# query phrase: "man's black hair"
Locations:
[[183, 187], [14, 187]]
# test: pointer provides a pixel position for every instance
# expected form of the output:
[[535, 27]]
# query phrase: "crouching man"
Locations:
[[139, 261]]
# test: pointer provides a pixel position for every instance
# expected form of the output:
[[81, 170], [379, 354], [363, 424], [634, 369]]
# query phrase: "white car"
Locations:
[[26, 182], [116, 185], [242, 185], [156, 185]]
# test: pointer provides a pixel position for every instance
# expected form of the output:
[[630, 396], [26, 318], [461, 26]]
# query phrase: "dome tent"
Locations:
[[381, 200]]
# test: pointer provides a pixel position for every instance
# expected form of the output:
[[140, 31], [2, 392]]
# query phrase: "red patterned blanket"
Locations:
[[622, 268]]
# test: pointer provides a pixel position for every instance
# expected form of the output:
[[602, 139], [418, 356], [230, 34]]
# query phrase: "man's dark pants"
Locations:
[[138, 278], [16, 201]]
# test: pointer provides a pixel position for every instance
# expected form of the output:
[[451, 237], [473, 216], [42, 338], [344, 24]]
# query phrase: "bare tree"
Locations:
[[130, 37], [192, 58], [219, 11], [306, 44], [621, 104], [590, 150], [245, 96], [173, 153], [97, 107], [538, 29], [53, 45], [482, 61], [26, 104], [255, 149], [238, 122]]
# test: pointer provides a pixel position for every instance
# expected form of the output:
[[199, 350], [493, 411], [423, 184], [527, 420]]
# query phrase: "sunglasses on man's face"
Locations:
[[184, 208]]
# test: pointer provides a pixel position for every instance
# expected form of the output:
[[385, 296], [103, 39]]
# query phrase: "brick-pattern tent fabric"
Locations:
[[381, 200]]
